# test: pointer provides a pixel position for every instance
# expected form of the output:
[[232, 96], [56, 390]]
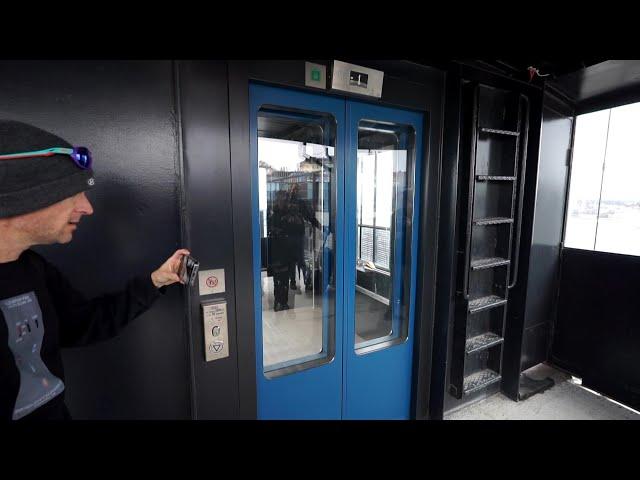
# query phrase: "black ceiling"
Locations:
[[553, 68], [588, 85]]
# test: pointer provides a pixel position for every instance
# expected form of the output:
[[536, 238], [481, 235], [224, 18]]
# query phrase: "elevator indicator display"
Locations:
[[356, 79]]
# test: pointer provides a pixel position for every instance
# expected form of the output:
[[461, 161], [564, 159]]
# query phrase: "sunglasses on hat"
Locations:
[[81, 156]]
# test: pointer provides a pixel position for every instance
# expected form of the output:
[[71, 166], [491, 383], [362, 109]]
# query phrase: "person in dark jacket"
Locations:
[[280, 251], [300, 213], [286, 227], [43, 180]]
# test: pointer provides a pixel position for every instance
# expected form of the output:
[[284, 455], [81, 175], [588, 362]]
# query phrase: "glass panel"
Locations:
[[297, 215], [382, 248], [618, 229], [586, 178], [366, 244], [384, 187], [368, 174]]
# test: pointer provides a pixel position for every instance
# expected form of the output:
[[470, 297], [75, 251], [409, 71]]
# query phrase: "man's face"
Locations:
[[55, 223]]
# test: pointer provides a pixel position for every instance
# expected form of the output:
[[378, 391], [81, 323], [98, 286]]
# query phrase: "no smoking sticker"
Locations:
[[211, 281]]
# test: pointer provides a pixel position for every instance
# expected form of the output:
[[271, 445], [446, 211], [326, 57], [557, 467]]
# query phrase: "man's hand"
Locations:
[[168, 272]]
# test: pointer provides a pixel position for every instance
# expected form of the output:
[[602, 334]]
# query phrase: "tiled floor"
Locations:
[[566, 400], [293, 333], [297, 332]]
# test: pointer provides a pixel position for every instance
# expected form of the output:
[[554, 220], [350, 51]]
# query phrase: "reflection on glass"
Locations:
[[384, 190], [604, 199], [586, 178], [619, 213], [296, 178]]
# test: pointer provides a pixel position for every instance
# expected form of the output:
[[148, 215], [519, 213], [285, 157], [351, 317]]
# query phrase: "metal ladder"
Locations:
[[494, 132]]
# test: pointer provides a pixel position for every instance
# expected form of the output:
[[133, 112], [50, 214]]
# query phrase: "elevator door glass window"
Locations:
[[384, 192], [297, 222]]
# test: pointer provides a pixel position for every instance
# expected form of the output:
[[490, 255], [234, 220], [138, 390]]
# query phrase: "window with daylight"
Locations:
[[604, 196], [375, 205]]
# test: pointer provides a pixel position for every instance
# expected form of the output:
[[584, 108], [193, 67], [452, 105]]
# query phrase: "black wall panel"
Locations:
[[207, 181], [170, 142], [597, 333], [124, 112], [544, 265]]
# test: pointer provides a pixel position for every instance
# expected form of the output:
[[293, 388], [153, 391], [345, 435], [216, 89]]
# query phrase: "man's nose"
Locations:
[[84, 206]]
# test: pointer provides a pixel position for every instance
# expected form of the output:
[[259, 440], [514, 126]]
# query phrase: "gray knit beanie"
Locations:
[[31, 183]]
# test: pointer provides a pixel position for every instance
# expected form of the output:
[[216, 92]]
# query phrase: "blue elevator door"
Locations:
[[334, 248], [297, 145], [384, 148]]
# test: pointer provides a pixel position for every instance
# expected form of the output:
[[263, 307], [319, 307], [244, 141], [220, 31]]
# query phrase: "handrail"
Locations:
[[472, 168], [521, 199]]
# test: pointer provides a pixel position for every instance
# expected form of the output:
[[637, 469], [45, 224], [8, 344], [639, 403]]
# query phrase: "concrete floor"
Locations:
[[566, 400]]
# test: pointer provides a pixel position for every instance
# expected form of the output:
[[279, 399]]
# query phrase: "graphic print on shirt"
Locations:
[[26, 331]]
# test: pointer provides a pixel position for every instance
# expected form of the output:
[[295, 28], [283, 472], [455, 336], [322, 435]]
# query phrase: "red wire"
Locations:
[[11, 157]]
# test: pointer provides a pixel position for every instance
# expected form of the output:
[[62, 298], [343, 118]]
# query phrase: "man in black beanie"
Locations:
[[43, 180]]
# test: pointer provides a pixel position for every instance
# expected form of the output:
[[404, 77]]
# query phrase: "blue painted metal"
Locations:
[[374, 385], [313, 393], [377, 384]]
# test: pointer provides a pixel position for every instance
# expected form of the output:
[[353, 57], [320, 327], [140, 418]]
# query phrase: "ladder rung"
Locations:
[[492, 221], [482, 342], [485, 303], [500, 132], [482, 263], [496, 178], [480, 380]]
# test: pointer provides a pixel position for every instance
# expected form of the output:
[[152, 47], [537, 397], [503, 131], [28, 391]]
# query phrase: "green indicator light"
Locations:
[[315, 75]]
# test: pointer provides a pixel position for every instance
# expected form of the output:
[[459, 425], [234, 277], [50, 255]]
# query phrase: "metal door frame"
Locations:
[[406, 86]]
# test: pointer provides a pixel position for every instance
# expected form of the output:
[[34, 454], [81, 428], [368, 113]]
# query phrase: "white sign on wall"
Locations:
[[211, 281]]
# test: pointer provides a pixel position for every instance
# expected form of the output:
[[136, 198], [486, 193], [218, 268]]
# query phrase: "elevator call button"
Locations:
[[216, 338]]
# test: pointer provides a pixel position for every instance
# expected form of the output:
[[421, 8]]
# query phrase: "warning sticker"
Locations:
[[211, 281]]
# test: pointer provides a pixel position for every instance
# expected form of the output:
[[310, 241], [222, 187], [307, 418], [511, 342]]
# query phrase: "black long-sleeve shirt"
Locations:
[[40, 313]]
